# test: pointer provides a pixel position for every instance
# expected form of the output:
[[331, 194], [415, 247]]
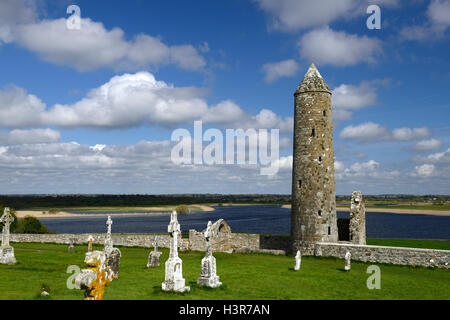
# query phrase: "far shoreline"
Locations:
[[444, 213]]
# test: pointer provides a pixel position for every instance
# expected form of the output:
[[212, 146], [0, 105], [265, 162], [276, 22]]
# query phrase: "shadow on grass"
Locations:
[[342, 270]]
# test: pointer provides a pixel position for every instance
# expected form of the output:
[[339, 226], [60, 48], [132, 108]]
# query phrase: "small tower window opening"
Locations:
[[320, 158], [329, 230], [320, 213], [324, 113], [313, 133], [299, 184]]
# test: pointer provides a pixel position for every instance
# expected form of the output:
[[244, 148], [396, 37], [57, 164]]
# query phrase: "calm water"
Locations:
[[258, 219]]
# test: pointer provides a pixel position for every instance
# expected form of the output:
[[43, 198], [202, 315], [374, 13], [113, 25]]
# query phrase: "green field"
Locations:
[[244, 276]]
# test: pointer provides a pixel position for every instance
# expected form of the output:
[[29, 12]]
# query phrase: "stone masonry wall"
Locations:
[[242, 242], [393, 255], [120, 240]]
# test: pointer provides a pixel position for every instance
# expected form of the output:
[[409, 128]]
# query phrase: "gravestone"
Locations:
[[208, 276], [174, 280], [357, 228], [348, 261], [71, 245], [6, 251], [112, 254], [90, 242], [154, 256], [298, 261], [96, 277]]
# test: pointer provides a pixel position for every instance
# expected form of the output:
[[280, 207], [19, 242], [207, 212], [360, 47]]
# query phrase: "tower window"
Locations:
[[324, 113], [329, 230], [320, 159], [313, 133], [320, 213], [299, 184]]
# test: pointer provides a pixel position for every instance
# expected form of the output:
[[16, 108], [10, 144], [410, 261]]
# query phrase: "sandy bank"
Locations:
[[398, 211], [45, 215]]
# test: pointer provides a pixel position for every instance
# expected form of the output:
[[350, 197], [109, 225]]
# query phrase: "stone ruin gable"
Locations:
[[391, 255], [313, 217], [357, 227], [221, 241]]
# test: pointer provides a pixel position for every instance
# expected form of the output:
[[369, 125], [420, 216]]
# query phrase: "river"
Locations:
[[257, 219]]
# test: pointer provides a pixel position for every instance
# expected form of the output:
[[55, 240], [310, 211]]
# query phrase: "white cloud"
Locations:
[[132, 100], [425, 170], [407, 134], [438, 14], [12, 13], [365, 132], [428, 145], [34, 136], [440, 157], [327, 47], [347, 98], [370, 131], [301, 14], [274, 71], [93, 46], [18, 109]]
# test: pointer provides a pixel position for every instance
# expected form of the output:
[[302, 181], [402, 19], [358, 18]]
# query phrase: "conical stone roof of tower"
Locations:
[[312, 82]]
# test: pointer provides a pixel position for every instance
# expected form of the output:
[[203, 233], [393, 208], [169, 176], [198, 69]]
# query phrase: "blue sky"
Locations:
[[137, 70]]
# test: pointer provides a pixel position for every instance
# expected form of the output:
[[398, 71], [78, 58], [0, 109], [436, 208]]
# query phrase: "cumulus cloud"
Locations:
[[325, 46], [370, 131], [428, 145], [407, 134], [274, 71], [438, 14], [365, 132], [425, 170], [92, 46], [348, 98], [291, 15], [18, 109], [34, 136], [13, 13], [132, 100]]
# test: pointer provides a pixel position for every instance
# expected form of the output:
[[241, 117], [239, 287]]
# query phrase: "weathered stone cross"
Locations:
[[109, 222], [6, 219]]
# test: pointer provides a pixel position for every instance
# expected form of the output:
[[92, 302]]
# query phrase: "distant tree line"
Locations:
[[46, 202], [29, 225]]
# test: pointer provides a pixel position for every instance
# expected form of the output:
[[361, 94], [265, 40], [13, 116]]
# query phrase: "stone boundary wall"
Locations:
[[119, 240], [392, 255], [274, 244]]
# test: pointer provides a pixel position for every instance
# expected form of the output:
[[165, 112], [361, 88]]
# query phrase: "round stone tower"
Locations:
[[313, 215]]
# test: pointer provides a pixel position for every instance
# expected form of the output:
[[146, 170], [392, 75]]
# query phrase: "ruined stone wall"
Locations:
[[393, 255]]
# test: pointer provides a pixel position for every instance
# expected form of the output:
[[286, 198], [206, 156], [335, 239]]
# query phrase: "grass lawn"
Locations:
[[244, 276]]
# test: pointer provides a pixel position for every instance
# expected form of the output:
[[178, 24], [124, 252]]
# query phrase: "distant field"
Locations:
[[424, 244], [413, 207], [119, 208], [244, 277]]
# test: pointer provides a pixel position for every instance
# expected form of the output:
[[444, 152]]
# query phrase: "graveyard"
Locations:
[[244, 276]]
